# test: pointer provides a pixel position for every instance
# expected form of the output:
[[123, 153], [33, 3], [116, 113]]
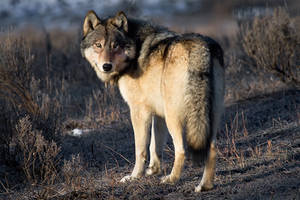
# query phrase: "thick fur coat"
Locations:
[[172, 83]]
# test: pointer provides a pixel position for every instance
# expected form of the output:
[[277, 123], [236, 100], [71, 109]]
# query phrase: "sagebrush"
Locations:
[[273, 43]]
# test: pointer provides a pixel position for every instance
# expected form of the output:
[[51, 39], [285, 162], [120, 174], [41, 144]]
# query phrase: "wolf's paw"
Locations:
[[152, 171], [169, 179], [127, 178], [203, 187]]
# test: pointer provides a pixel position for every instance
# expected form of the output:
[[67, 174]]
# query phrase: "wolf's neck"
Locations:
[[140, 30], [127, 83]]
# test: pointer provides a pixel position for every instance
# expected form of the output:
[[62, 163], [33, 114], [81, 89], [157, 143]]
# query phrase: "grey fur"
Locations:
[[177, 79], [199, 103], [199, 96]]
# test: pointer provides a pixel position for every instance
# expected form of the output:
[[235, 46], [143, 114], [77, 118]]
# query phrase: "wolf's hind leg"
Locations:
[[158, 137], [176, 131], [209, 171]]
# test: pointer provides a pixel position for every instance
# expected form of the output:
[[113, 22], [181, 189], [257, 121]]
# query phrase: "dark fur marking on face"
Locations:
[[117, 44]]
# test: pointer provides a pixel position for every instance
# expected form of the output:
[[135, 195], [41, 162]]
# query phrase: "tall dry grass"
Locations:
[[47, 89], [39, 157], [45, 85]]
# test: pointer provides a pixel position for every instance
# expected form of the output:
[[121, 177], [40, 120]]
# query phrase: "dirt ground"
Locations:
[[258, 156], [258, 143]]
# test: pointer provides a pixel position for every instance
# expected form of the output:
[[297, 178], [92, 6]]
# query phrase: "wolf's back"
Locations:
[[204, 94]]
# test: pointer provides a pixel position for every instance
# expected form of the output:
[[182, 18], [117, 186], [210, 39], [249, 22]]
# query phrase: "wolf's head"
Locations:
[[106, 45]]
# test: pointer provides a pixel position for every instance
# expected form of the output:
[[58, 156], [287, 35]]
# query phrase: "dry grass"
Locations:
[[47, 89], [39, 157], [76, 177], [43, 90]]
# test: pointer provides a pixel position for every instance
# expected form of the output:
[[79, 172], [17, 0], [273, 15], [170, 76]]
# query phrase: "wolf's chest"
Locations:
[[142, 93]]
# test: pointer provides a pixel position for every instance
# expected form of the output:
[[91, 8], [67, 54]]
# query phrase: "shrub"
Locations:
[[39, 157], [31, 113], [21, 95], [273, 43]]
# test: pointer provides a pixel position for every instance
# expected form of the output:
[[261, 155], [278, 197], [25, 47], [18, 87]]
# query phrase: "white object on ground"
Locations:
[[77, 132]]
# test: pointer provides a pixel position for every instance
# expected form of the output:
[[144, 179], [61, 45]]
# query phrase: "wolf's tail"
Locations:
[[204, 96]]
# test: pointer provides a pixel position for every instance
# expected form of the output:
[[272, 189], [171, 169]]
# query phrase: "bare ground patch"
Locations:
[[258, 157]]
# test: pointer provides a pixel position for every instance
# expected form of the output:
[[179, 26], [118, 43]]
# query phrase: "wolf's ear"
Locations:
[[120, 21], [91, 20]]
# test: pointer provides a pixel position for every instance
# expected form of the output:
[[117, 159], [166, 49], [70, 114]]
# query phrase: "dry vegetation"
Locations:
[[47, 90], [266, 53], [273, 43]]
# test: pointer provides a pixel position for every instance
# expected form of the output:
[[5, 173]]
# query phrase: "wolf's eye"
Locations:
[[115, 45], [98, 45]]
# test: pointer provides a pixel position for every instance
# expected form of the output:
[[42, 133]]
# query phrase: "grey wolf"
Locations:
[[171, 82]]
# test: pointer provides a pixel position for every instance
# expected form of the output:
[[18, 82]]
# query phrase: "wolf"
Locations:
[[173, 83]]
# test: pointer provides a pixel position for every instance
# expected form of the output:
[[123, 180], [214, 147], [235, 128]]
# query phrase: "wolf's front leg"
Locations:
[[141, 121], [158, 137]]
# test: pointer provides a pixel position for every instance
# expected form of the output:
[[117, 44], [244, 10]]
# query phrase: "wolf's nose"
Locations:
[[107, 67]]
